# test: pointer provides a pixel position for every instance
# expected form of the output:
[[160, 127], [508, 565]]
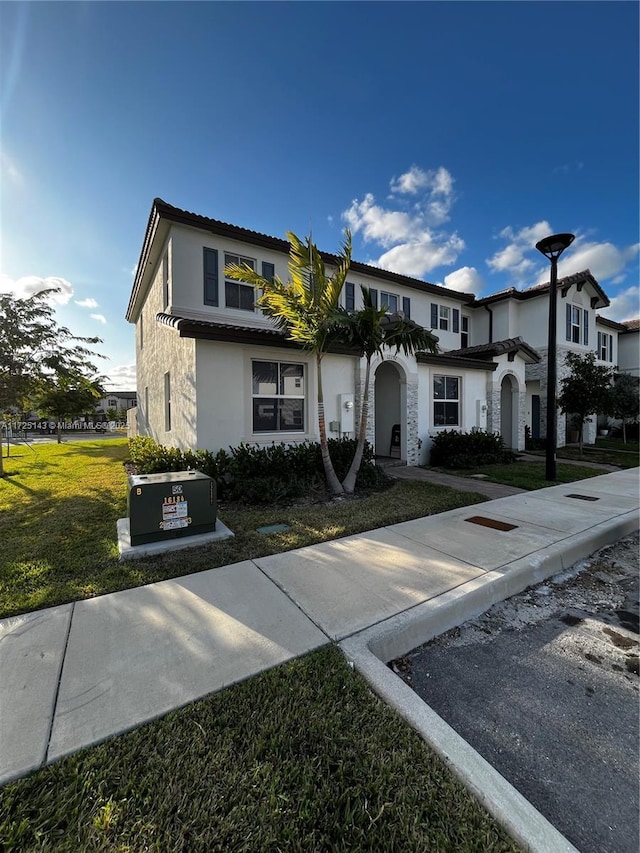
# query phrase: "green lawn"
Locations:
[[530, 475], [58, 512], [599, 454], [302, 758]]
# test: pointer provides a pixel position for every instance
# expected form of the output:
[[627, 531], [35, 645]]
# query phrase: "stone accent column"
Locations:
[[413, 452], [494, 404]]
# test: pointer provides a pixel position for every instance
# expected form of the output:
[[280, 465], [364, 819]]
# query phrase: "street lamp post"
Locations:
[[552, 247]]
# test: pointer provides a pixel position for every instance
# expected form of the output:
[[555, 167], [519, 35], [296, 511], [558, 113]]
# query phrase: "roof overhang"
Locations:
[[444, 360]]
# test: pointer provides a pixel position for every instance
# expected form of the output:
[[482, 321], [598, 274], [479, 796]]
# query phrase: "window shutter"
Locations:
[[599, 344], [406, 307], [568, 307], [586, 328], [350, 296], [374, 296], [210, 276], [268, 271], [610, 347], [456, 321], [434, 315]]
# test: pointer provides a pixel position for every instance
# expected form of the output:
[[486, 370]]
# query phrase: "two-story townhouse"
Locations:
[[579, 329], [213, 371]]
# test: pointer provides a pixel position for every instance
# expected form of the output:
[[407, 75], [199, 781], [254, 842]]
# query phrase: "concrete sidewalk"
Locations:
[[76, 674]]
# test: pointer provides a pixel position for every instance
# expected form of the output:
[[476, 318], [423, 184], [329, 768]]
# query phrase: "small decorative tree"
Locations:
[[626, 400], [69, 398], [586, 390]]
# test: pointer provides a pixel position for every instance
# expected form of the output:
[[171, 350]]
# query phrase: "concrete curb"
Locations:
[[370, 650]]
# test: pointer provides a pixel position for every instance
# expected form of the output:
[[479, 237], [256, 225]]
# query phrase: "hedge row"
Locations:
[[258, 475], [465, 450]]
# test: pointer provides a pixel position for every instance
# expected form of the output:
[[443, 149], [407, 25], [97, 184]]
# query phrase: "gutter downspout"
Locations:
[[490, 323]]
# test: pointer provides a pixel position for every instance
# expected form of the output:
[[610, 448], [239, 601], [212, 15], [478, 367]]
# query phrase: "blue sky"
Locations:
[[449, 136]]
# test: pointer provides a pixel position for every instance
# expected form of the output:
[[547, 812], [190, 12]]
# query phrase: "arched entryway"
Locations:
[[509, 400], [389, 386]]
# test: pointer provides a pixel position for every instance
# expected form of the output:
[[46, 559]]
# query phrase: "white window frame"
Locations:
[[384, 296], [444, 317], [444, 400], [577, 311], [232, 258], [300, 382]]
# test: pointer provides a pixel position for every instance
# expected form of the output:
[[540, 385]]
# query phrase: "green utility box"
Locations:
[[171, 505]]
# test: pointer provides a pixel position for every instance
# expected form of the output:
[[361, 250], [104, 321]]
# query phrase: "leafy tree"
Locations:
[[586, 390], [70, 397], [36, 351], [626, 400], [306, 309], [371, 330]]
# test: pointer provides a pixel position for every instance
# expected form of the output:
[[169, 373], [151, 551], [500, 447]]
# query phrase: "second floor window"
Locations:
[[444, 318], [389, 301], [577, 325], [237, 294], [605, 346]]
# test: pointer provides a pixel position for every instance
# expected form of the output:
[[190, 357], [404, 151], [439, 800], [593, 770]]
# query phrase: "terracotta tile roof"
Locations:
[[631, 325]]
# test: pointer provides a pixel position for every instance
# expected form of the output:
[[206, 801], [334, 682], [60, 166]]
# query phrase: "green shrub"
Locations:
[[275, 473], [464, 450]]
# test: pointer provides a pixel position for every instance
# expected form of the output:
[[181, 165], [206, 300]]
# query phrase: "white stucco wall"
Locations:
[[629, 353], [164, 351], [224, 377], [473, 403]]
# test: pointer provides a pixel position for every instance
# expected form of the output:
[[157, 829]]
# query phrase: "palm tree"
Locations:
[[370, 330], [305, 308]]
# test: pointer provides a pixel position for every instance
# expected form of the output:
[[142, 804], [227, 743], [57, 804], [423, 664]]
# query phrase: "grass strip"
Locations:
[[530, 475], [301, 758], [58, 513]]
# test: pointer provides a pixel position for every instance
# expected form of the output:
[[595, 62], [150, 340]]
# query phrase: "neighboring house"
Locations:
[[213, 371], [119, 400]]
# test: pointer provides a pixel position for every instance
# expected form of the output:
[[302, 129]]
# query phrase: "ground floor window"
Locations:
[[278, 395], [446, 401]]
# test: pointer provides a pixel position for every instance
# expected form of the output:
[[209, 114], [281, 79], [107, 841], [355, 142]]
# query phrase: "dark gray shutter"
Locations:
[[350, 296], [599, 344], [268, 271], [434, 315], [456, 321], [406, 307], [586, 328], [374, 296], [568, 322], [210, 276]]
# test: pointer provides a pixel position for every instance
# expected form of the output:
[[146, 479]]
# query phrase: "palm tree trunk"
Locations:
[[349, 482], [334, 484]]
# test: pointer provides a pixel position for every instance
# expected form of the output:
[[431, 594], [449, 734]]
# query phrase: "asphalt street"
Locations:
[[545, 688]]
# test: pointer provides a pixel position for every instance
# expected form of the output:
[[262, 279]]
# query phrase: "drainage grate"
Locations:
[[491, 522], [583, 497]]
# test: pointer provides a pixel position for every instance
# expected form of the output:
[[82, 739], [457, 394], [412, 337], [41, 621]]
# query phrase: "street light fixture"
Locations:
[[552, 247]]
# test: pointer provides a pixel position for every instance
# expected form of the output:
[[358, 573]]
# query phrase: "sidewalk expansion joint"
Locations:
[[295, 603], [54, 707]]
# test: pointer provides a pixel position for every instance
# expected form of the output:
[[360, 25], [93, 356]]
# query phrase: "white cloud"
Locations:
[[412, 181], [512, 259], [464, 280], [87, 303], [624, 306], [26, 286], [406, 227], [122, 377], [422, 255], [605, 260], [99, 317]]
